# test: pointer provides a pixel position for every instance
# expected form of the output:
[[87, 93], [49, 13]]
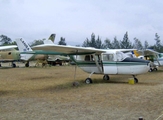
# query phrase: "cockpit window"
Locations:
[[120, 56]]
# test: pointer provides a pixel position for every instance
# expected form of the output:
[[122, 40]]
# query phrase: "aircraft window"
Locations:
[[9, 53], [160, 55], [89, 58], [97, 57], [121, 56], [108, 57]]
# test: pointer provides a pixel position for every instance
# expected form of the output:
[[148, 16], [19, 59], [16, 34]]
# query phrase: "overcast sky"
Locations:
[[76, 20]]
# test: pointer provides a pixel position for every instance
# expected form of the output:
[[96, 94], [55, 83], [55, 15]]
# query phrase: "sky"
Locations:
[[76, 20]]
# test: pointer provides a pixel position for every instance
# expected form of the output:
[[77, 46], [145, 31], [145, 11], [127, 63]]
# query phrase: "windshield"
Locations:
[[120, 56]]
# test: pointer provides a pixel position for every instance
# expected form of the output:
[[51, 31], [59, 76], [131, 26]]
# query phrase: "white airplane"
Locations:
[[53, 59], [24, 47], [44, 58], [98, 61], [153, 56]]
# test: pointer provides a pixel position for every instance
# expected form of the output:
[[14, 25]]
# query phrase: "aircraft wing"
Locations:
[[147, 52], [8, 47], [68, 50], [124, 50]]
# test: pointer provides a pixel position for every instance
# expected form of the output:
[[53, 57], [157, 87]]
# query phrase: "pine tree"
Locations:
[[116, 44], [107, 44], [93, 42], [158, 45], [62, 41], [146, 45], [125, 43], [5, 40], [137, 44]]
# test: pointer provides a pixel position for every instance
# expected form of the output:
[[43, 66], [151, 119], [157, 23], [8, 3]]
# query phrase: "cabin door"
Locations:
[[109, 63]]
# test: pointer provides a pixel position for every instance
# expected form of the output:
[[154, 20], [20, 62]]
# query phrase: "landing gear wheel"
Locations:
[[155, 69], [13, 65], [88, 81], [135, 80], [106, 77], [27, 64], [150, 70]]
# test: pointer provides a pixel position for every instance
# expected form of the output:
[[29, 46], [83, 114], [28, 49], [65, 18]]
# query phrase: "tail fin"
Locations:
[[50, 39], [136, 53], [24, 47]]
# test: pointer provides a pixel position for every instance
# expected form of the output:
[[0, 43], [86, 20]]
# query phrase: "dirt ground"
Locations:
[[48, 94]]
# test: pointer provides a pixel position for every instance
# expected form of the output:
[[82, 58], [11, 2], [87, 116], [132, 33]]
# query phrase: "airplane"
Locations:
[[155, 57], [41, 58], [97, 61], [9, 54], [24, 47], [56, 59]]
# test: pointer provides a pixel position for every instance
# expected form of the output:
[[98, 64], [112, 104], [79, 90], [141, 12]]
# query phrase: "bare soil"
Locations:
[[48, 93]]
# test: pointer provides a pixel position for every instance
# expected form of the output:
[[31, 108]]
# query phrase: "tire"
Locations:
[[27, 65], [155, 69], [13, 65], [150, 70], [106, 77], [135, 80], [88, 81]]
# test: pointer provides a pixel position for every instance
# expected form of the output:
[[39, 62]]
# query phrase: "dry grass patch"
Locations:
[[49, 92]]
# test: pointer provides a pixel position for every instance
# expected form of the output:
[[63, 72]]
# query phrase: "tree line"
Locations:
[[125, 43]]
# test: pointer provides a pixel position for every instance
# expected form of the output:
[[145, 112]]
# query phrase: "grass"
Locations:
[[51, 89]]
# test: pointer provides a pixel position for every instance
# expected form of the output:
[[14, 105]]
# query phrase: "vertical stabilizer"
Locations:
[[24, 47], [136, 53], [50, 39]]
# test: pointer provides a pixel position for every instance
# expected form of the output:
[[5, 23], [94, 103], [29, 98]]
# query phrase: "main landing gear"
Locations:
[[105, 77], [13, 65], [89, 80], [135, 79], [27, 64]]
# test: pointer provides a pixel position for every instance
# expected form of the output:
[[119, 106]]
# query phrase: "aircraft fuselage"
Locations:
[[6, 56], [111, 63]]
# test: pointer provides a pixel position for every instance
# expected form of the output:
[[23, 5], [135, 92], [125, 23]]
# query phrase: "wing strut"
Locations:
[[157, 60], [75, 66], [97, 64]]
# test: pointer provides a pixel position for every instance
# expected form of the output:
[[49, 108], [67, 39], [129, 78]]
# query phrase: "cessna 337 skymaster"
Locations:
[[99, 61]]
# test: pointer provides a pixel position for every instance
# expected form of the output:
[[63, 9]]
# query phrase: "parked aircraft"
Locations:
[[56, 59], [9, 54], [98, 61], [41, 58], [155, 58], [24, 47]]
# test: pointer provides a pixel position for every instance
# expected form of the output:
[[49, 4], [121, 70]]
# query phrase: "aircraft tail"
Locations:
[[24, 47], [50, 39], [136, 53]]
